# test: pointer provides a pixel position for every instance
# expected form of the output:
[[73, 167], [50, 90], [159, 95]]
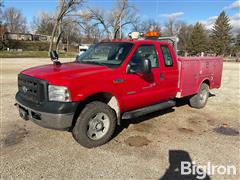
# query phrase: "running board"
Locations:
[[148, 109]]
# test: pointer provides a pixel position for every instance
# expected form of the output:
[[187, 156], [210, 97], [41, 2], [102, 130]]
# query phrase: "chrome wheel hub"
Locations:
[[98, 126], [203, 96]]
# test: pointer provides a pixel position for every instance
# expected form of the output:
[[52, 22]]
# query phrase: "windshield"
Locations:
[[109, 54]]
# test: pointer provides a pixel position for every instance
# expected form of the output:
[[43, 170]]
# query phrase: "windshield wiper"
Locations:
[[93, 62]]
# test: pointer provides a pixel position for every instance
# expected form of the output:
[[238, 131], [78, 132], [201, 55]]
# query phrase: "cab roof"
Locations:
[[140, 41]]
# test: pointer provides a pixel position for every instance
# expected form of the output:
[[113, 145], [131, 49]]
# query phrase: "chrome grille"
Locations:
[[31, 89]]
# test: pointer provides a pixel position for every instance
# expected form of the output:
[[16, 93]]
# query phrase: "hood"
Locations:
[[66, 71]]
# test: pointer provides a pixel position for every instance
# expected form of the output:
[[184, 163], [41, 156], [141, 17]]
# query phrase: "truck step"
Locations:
[[148, 109]]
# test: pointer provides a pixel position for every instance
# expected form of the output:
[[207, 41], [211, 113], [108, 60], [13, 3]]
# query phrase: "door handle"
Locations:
[[207, 64], [161, 76]]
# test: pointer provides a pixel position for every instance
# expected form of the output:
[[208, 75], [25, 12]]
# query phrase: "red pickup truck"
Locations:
[[112, 81]]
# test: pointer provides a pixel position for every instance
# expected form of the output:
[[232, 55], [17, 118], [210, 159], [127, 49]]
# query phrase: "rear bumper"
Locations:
[[59, 117]]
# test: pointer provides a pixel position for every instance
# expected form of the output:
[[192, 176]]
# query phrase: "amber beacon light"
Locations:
[[152, 34]]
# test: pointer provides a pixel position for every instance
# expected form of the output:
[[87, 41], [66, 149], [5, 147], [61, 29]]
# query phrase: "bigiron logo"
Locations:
[[188, 168]]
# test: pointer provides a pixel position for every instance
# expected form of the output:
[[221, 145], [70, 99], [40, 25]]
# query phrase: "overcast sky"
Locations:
[[189, 11]]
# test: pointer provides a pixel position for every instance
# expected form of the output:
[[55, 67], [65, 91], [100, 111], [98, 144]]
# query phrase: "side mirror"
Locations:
[[131, 70], [54, 57], [146, 66]]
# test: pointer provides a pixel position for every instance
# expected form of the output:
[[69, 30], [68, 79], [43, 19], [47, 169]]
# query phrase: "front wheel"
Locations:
[[200, 100], [95, 125]]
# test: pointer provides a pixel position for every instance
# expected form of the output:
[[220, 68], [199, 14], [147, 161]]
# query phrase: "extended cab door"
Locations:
[[169, 71], [143, 89]]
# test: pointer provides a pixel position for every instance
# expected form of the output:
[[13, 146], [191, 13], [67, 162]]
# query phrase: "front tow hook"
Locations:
[[22, 112]]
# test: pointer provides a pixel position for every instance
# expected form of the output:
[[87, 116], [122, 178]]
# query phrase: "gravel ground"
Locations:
[[145, 148]]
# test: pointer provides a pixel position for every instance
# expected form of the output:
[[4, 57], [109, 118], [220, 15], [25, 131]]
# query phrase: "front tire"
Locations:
[[200, 100], [95, 125]]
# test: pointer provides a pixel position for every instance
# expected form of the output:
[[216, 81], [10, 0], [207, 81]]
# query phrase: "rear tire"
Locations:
[[200, 100], [95, 125]]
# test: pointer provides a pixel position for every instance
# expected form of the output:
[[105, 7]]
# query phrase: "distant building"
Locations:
[[40, 37], [26, 37], [3, 29], [17, 36]]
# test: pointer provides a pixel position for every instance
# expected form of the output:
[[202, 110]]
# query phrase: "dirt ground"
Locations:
[[149, 147]]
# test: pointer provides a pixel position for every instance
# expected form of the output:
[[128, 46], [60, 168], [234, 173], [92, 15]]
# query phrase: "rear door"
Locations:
[[169, 72]]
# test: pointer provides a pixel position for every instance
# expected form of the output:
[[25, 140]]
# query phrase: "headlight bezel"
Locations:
[[58, 93]]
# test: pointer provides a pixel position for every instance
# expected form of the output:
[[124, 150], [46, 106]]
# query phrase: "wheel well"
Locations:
[[206, 82], [103, 97], [107, 98]]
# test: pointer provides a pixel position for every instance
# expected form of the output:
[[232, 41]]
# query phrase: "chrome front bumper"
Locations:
[[47, 120]]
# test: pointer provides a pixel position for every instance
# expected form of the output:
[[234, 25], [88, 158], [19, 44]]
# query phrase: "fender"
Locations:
[[113, 101]]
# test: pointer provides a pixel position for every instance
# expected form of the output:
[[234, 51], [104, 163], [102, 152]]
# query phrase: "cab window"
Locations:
[[144, 52], [167, 56]]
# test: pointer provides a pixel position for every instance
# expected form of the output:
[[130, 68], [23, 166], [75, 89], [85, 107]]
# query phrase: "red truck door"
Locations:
[[168, 72], [143, 89]]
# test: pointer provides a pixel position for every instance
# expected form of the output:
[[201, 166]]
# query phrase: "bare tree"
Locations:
[[98, 17], [169, 31], [184, 35], [43, 23], [1, 11], [70, 32], [65, 8], [2, 27], [14, 20], [172, 26], [147, 25], [91, 32], [121, 16]]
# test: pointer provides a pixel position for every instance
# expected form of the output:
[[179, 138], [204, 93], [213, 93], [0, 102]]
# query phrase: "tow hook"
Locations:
[[22, 112]]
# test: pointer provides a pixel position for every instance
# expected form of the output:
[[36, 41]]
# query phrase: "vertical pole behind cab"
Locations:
[[173, 39]]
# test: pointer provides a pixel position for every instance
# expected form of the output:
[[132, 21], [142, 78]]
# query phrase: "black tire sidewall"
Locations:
[[195, 101], [203, 87], [80, 129]]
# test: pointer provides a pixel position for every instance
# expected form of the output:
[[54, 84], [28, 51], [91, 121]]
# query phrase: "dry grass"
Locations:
[[33, 54]]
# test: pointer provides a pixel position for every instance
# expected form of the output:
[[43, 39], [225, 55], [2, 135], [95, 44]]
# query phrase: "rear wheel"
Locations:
[[200, 100], [95, 125]]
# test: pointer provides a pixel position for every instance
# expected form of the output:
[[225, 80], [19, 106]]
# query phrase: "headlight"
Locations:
[[58, 93]]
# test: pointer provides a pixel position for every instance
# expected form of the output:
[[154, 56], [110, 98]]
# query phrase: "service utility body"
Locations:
[[112, 81]]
